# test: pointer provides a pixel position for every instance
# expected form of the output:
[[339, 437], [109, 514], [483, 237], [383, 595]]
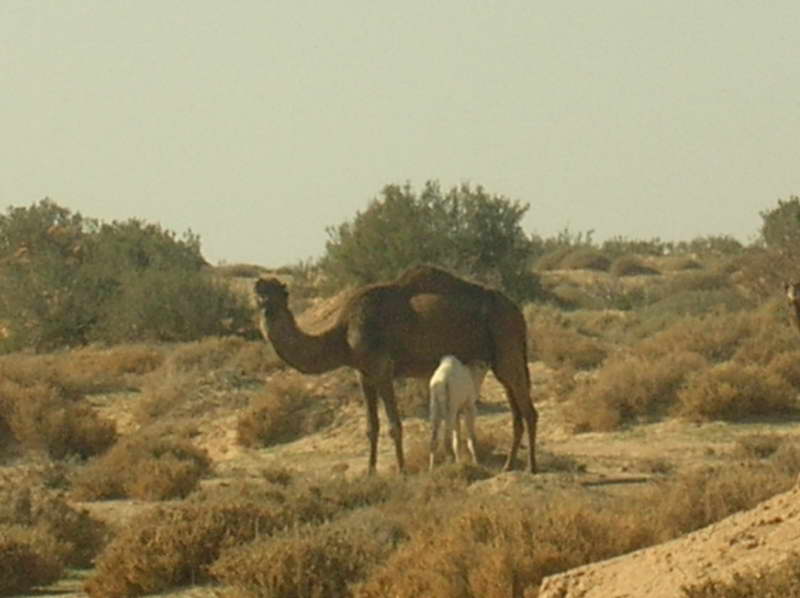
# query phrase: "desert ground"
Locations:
[[614, 463]]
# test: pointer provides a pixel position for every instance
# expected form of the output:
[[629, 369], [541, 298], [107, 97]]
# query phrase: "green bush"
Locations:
[[780, 228], [69, 280], [466, 230], [170, 305]]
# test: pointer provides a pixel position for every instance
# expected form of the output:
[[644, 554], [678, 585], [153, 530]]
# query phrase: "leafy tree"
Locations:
[[466, 230], [780, 228], [68, 280]]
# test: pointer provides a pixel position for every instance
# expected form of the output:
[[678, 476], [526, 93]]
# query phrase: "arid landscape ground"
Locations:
[[612, 465]]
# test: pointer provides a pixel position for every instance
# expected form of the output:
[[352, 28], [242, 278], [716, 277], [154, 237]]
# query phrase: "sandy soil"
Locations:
[[752, 540]]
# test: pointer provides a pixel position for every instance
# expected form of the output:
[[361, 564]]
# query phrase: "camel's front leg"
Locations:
[[373, 425], [395, 425]]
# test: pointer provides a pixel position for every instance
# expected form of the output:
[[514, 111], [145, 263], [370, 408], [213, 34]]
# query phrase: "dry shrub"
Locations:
[[663, 312], [628, 265], [78, 537], [166, 392], [147, 466], [781, 581], [786, 459], [28, 558], [787, 366], [699, 498], [504, 545], [628, 387], [611, 325], [695, 280], [92, 370], [312, 561], [678, 263], [285, 412], [83, 371], [716, 337], [555, 343], [585, 258], [251, 358], [569, 295], [553, 259], [734, 391], [171, 546], [490, 550], [40, 418], [767, 337], [359, 492], [757, 446], [175, 545], [189, 382]]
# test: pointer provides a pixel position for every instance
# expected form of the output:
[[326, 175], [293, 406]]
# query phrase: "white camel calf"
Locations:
[[454, 390]]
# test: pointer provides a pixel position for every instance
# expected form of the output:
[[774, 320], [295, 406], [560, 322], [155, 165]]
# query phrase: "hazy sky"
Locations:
[[257, 124]]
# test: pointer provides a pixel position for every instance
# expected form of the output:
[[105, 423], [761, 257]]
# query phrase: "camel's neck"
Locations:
[[308, 353]]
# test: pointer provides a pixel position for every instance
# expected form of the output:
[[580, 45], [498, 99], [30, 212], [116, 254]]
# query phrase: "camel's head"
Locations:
[[271, 295]]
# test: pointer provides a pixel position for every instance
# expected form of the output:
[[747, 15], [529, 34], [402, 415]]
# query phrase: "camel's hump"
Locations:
[[431, 279]]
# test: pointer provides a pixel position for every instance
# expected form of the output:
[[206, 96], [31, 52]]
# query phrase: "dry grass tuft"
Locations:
[[82, 371], [150, 465], [41, 419], [283, 413], [630, 387], [312, 561], [553, 340], [40, 534], [734, 391], [28, 558], [628, 265], [169, 546]]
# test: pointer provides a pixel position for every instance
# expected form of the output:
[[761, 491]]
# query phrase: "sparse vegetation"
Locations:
[[624, 333], [152, 465], [40, 535]]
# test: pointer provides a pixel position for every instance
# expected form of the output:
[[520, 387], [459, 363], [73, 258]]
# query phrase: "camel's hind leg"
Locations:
[[517, 386], [373, 424]]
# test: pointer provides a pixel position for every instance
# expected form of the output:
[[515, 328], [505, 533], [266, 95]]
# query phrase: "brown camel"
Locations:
[[402, 329]]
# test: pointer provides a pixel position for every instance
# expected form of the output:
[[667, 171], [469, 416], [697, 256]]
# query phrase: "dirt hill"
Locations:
[[753, 541]]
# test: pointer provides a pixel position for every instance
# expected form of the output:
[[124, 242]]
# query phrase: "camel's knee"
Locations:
[[372, 434]]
